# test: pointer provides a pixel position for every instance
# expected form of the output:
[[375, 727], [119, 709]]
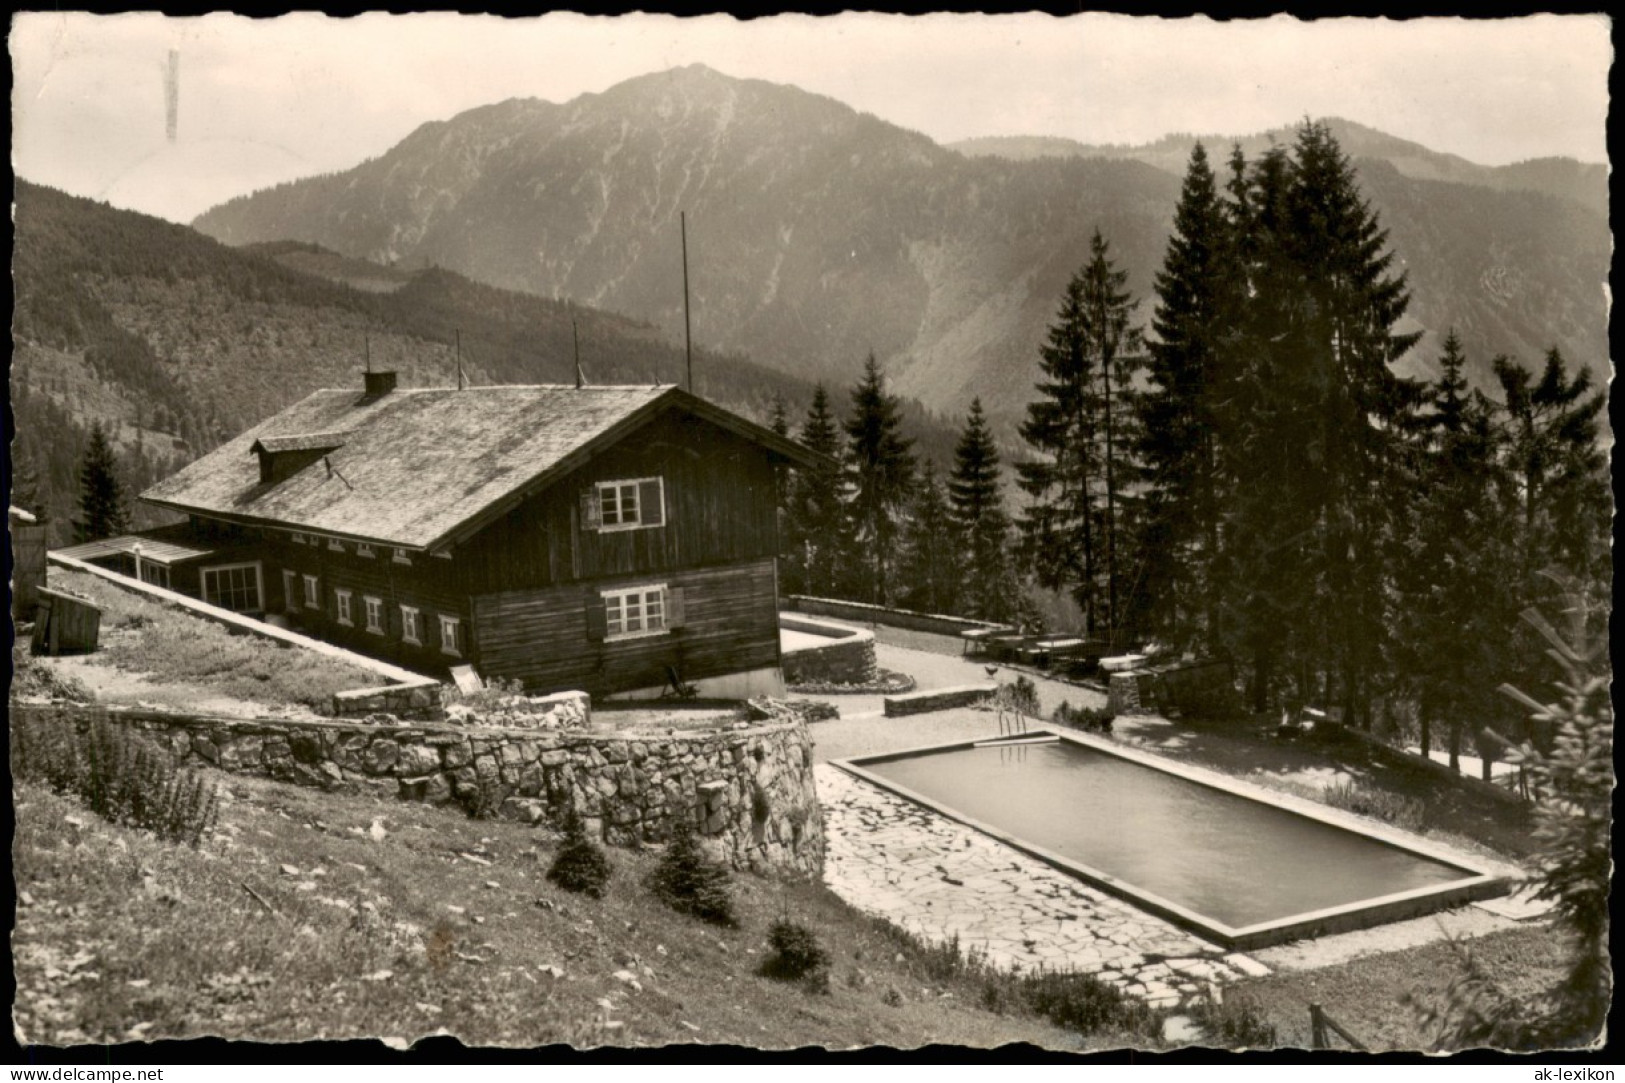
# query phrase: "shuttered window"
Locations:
[[631, 612], [624, 505]]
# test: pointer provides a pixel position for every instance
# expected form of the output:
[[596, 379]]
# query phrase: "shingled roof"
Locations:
[[415, 467]]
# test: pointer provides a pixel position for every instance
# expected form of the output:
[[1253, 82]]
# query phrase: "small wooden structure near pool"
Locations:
[[65, 623]]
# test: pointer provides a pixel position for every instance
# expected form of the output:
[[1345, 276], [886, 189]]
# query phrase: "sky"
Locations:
[[266, 101]]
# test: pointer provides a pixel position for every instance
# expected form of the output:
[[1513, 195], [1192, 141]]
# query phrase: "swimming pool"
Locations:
[[1200, 850]]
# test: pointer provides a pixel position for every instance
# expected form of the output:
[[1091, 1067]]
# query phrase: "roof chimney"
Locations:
[[379, 383]]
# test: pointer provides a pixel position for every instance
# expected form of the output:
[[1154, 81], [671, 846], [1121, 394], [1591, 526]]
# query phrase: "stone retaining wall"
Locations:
[[846, 656], [750, 790], [419, 702], [938, 699], [880, 614]]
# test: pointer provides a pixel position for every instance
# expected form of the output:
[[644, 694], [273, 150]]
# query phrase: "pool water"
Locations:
[[1231, 858]]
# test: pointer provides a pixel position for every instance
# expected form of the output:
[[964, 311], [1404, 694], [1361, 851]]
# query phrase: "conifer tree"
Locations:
[[880, 473], [1456, 608], [818, 530], [1195, 327], [1061, 520], [989, 589], [931, 565], [102, 512]]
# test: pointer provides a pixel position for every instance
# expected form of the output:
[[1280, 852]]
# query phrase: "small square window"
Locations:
[[451, 635], [365, 551], [298, 538], [375, 615], [335, 545], [402, 557], [411, 630], [640, 611], [342, 598], [313, 592]]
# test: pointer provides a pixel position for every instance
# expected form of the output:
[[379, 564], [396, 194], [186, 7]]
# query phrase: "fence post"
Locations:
[[1317, 1028]]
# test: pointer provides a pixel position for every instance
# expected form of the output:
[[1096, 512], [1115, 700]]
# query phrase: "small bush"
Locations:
[[1406, 812], [119, 776], [690, 884], [1233, 1023], [1084, 1003], [796, 954], [1209, 703], [1092, 719], [581, 864], [1023, 697]]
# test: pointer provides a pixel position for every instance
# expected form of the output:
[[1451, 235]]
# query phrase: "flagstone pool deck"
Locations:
[[938, 879]]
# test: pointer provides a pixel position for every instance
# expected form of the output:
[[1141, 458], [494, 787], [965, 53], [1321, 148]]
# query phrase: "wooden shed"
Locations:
[[65, 623], [27, 562]]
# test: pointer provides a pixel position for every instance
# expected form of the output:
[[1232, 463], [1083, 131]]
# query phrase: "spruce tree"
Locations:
[[102, 512], [1061, 521], [1562, 472], [880, 473], [1455, 606], [1190, 357], [1110, 341], [989, 588], [931, 566], [818, 533]]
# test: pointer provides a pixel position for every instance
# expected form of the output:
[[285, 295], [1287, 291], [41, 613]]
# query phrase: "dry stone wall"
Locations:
[[749, 791]]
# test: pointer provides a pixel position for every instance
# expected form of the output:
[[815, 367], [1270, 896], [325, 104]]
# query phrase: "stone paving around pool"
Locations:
[[938, 879]]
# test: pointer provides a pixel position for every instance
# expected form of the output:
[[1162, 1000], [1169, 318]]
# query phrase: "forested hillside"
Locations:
[[173, 342]]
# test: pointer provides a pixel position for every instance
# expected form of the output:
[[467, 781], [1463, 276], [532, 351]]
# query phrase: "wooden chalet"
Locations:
[[609, 539]]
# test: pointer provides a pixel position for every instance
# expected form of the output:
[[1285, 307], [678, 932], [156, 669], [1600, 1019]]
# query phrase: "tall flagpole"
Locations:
[[688, 343]]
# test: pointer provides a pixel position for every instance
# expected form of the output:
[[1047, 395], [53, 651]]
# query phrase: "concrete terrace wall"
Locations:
[[845, 655], [751, 790], [879, 614], [406, 695]]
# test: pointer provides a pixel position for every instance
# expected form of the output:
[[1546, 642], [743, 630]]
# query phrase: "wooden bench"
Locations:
[[938, 699]]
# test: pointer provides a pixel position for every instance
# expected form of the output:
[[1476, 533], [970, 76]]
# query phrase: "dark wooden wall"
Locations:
[[427, 584], [720, 502], [540, 636]]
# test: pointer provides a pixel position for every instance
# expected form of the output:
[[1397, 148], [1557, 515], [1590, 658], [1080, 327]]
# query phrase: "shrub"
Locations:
[[118, 775], [1094, 719], [581, 864], [1212, 702], [1234, 1023], [796, 954], [1084, 1003], [1396, 809], [689, 883], [1023, 697]]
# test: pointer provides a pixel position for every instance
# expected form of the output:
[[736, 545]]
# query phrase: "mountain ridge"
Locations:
[[818, 234]]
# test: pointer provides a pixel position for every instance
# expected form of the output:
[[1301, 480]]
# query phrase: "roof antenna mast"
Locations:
[[688, 344], [575, 337]]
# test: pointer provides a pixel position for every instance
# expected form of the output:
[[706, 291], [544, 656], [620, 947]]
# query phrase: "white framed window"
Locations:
[[375, 614], [365, 551], [411, 625], [313, 592], [335, 545], [233, 586], [290, 589], [402, 557], [626, 505], [342, 600], [298, 538], [451, 635], [638, 611]]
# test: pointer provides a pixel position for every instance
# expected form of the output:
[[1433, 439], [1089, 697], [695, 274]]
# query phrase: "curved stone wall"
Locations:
[[750, 791]]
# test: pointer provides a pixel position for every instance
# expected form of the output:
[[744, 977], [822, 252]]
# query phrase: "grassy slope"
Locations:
[[120, 937]]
